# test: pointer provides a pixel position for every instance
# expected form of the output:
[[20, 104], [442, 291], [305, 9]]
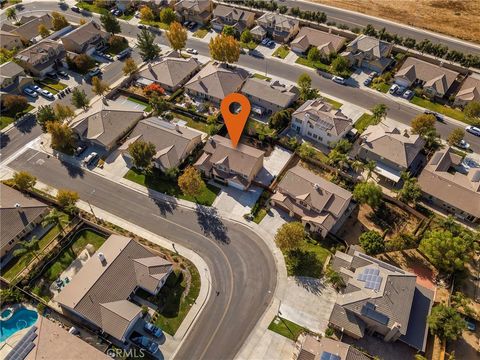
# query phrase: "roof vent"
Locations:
[[316, 186], [102, 258], [405, 133], [17, 205]]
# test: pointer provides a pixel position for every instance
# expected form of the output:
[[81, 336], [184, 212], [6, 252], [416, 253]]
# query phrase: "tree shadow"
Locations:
[[73, 170], [211, 224], [170, 296], [27, 125], [313, 285], [304, 263], [164, 206]]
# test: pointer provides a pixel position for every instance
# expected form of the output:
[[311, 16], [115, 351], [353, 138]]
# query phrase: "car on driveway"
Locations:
[[46, 94], [462, 144], [373, 75], [393, 89], [80, 149], [146, 343], [191, 51], [339, 80], [35, 87], [192, 25], [408, 94], [473, 130], [62, 74], [152, 329], [30, 92], [265, 41], [271, 43], [90, 159], [367, 81], [94, 72], [124, 53], [471, 326]]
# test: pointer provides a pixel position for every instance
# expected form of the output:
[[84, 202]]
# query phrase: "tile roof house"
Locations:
[[100, 290], [369, 52], [10, 40], [392, 149], [320, 205], [21, 212], [41, 57], [105, 123], [236, 167], [28, 30], [215, 81], [380, 298], [238, 18], [85, 38], [276, 26], [13, 78], [173, 142], [310, 348], [171, 72], [327, 43], [269, 96], [199, 11], [435, 80], [469, 91], [447, 184], [318, 121]]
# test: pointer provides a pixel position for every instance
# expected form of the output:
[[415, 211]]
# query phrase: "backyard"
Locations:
[[158, 181], [191, 122], [147, 108]]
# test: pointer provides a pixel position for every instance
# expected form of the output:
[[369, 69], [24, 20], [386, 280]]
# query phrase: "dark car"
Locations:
[[367, 81], [62, 74], [438, 117], [75, 9], [123, 54], [80, 149], [256, 53], [145, 343]]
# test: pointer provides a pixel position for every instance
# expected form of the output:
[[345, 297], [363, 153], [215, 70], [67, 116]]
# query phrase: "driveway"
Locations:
[[235, 201], [352, 111], [273, 165], [274, 219]]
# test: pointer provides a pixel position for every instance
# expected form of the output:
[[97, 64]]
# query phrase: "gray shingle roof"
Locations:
[[235, 13], [29, 28], [470, 90], [275, 93], [84, 33], [366, 43], [326, 42]]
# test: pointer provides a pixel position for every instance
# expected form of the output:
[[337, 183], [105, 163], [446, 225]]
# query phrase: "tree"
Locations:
[[228, 30], [146, 14], [28, 247], [63, 112], [472, 111], [246, 36], [153, 89], [177, 36], [62, 136], [158, 104], [142, 153], [314, 54], [340, 65], [290, 236], [334, 279], [446, 322], [67, 199], [379, 113], [58, 21], [15, 103], [304, 82], [446, 251], [11, 13], [423, 123], [455, 136], [6, 55], [368, 193], [54, 218], [432, 140], [211, 125], [24, 181], [79, 98], [410, 191], [45, 114], [167, 15], [129, 67], [370, 166], [280, 119], [149, 50], [110, 23], [306, 151], [99, 87], [82, 63], [224, 48], [43, 31], [372, 242], [191, 182], [117, 43]]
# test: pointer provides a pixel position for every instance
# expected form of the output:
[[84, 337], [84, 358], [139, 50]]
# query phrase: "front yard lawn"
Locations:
[[6, 118], [382, 87], [313, 64], [281, 52], [200, 33], [363, 122], [251, 45], [439, 108], [259, 216], [334, 103], [308, 260], [262, 77], [157, 24], [156, 180], [92, 7], [54, 84], [286, 328]]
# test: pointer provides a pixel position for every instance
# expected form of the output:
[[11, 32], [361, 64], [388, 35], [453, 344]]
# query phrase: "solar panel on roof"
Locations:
[[329, 356]]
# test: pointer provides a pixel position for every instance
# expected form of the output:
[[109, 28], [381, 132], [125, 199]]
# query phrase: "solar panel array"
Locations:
[[329, 356], [371, 278], [369, 311], [24, 346]]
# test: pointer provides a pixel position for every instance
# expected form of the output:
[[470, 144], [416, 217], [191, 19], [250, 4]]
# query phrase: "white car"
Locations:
[[30, 92], [473, 130], [393, 89], [462, 144], [338, 80], [191, 51], [46, 94], [90, 159]]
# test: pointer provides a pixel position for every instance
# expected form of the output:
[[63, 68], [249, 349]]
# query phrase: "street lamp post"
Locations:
[[88, 202]]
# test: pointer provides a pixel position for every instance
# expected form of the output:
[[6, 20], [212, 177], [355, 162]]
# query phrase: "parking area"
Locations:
[[273, 165], [267, 50], [235, 201]]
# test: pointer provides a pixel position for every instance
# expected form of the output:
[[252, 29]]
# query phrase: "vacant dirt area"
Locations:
[[458, 18]]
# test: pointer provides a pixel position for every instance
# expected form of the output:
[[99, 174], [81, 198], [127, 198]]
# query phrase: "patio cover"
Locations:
[[387, 172]]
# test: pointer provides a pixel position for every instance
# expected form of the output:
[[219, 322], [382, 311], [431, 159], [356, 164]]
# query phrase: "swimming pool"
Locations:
[[22, 318]]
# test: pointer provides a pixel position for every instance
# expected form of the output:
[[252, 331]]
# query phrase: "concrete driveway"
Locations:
[[274, 219], [236, 201], [273, 165]]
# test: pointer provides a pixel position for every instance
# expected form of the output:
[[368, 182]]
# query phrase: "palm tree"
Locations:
[[357, 165], [30, 247], [370, 166], [55, 218], [11, 13]]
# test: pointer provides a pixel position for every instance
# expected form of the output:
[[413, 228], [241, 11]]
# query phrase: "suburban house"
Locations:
[[275, 26], [236, 167], [10, 40], [469, 91], [13, 78], [100, 292], [392, 149], [321, 205], [369, 52], [171, 72], [85, 39], [380, 299], [326, 43], [41, 57], [173, 142], [319, 122], [199, 11], [124, 4], [106, 123], [28, 30], [19, 214], [238, 18], [267, 98], [215, 81], [433, 79], [309, 347], [449, 185]]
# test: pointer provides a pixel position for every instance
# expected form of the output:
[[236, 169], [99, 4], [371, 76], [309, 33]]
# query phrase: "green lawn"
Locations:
[[156, 180], [308, 260], [281, 52], [262, 77], [157, 24], [286, 328], [251, 45], [363, 122], [382, 87], [6, 118], [260, 215], [196, 124], [148, 107], [313, 64], [255, 126], [335, 104], [54, 84], [442, 109], [200, 33], [92, 7]]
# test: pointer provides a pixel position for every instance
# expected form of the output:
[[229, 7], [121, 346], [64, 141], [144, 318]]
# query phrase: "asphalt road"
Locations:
[[242, 267]]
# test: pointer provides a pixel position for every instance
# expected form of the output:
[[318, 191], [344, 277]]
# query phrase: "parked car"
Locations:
[[152, 329], [146, 344], [140, 26], [338, 80], [52, 74], [35, 87], [137, 14], [62, 74], [438, 117], [408, 94], [124, 53], [75, 9], [471, 326], [462, 144], [30, 92], [192, 25], [367, 81], [255, 53], [80, 149], [46, 94], [94, 72], [186, 23], [393, 89], [271, 43], [191, 51], [265, 41], [108, 57], [90, 159], [373, 75], [473, 130]]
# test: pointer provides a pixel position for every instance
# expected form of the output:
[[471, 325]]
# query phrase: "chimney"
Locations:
[[102, 259], [405, 133]]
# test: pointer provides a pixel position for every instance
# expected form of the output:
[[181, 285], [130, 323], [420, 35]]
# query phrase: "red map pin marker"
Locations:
[[235, 122]]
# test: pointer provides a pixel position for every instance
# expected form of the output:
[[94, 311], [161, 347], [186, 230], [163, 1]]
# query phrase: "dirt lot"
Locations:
[[444, 16]]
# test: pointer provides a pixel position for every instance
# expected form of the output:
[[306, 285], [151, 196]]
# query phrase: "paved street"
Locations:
[[242, 268]]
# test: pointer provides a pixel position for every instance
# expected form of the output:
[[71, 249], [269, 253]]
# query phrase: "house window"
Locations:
[[315, 136], [310, 126], [309, 133]]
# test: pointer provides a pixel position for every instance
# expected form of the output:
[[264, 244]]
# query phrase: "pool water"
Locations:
[[5, 313], [22, 318]]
